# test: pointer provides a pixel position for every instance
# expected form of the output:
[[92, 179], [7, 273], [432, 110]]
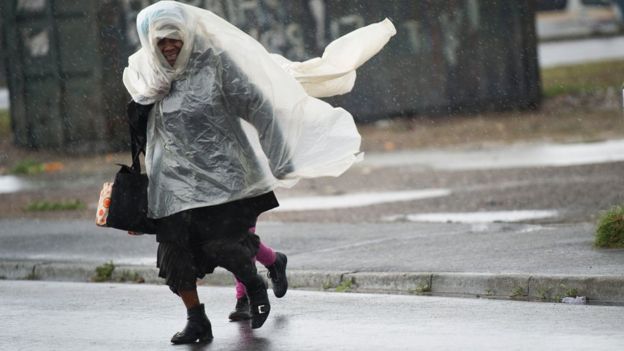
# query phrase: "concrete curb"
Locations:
[[525, 287]]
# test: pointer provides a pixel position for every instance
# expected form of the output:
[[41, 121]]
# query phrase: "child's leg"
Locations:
[[265, 255], [268, 257], [241, 291], [244, 271]]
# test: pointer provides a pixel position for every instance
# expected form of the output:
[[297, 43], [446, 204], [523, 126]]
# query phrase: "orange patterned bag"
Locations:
[[103, 204]]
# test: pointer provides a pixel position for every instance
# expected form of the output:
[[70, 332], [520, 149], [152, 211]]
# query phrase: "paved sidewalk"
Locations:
[[500, 260]]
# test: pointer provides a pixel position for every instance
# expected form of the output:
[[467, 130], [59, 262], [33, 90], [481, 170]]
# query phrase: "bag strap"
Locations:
[[137, 121], [136, 152]]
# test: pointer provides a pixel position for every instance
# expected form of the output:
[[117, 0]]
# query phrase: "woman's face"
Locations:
[[170, 48]]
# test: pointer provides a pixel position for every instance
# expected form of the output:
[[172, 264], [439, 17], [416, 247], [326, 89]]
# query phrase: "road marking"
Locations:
[[504, 157]]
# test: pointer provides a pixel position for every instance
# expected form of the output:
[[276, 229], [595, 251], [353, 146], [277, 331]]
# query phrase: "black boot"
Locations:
[[197, 327], [241, 311], [277, 273], [259, 301]]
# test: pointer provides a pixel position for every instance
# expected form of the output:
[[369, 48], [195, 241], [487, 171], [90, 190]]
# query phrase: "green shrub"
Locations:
[[346, 285], [610, 230], [44, 206], [27, 167], [104, 273]]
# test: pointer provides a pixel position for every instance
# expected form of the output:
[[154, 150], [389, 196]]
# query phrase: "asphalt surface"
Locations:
[[496, 260], [78, 316], [364, 231], [403, 247]]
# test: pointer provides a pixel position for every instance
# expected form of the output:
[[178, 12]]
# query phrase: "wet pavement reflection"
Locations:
[[143, 317]]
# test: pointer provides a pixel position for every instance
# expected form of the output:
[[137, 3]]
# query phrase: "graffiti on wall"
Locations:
[[300, 29], [268, 21], [450, 53]]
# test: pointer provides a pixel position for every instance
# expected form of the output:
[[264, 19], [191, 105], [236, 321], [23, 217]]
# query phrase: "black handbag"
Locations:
[[128, 205], [127, 202]]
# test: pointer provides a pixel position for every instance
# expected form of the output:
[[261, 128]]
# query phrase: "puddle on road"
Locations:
[[356, 199], [476, 217], [12, 184], [513, 156]]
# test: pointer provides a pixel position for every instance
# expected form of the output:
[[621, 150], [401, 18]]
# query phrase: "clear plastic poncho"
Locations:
[[231, 121]]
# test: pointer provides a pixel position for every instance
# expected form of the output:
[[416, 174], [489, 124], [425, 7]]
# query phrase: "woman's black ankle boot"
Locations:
[[259, 304], [197, 327]]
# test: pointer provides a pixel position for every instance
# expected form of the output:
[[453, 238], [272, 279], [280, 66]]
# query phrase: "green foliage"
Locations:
[[130, 277], [345, 285], [32, 276], [422, 288], [43, 206], [104, 273], [555, 294], [28, 167], [5, 124], [582, 78], [610, 229], [571, 292], [328, 285], [544, 293], [565, 292], [518, 292]]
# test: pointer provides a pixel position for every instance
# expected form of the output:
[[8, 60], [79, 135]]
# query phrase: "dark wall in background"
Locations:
[[2, 69], [447, 56], [67, 57]]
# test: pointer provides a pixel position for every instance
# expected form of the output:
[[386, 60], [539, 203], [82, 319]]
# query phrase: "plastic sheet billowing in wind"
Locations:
[[231, 120]]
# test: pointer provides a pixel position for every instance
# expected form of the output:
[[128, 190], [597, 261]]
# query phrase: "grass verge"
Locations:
[[44, 206], [610, 229], [583, 78], [5, 124], [27, 167], [104, 273]]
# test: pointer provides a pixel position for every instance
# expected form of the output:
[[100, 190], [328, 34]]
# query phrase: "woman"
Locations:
[[226, 124]]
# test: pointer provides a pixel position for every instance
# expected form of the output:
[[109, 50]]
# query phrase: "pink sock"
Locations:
[[265, 255], [240, 287]]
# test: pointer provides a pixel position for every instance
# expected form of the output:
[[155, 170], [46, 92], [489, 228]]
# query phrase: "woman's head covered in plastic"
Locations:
[[166, 30]]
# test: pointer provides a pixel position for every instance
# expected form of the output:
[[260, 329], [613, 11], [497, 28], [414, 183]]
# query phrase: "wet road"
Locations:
[[538, 184], [78, 316], [403, 247], [545, 194]]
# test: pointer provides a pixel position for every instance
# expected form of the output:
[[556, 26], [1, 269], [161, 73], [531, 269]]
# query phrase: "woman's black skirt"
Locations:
[[193, 242]]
